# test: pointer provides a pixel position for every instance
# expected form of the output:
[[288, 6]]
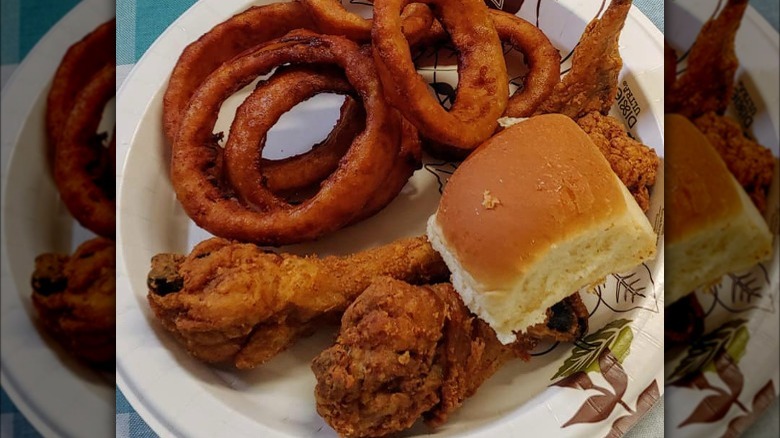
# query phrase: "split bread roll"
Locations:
[[533, 215], [712, 227]]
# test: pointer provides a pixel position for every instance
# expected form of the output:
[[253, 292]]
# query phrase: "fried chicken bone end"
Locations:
[[406, 352], [238, 303]]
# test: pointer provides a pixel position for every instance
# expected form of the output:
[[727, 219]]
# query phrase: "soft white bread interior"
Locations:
[[712, 227], [533, 215]]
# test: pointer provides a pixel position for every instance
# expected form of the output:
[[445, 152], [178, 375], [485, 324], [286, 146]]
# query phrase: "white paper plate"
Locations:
[[746, 302], [58, 395], [177, 395]]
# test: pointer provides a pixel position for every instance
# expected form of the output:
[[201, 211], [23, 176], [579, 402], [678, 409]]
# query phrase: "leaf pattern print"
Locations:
[[761, 402], [644, 402], [731, 336], [598, 406], [741, 292], [714, 407], [584, 357]]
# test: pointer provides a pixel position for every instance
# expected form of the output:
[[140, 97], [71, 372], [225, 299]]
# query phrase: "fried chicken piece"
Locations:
[[749, 162], [75, 300], [238, 303], [406, 352], [591, 84], [634, 163], [708, 82]]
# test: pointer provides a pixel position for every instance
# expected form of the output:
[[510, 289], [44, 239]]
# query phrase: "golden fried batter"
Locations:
[[237, 303], [75, 300], [749, 162], [406, 352], [708, 82], [634, 163], [591, 84]]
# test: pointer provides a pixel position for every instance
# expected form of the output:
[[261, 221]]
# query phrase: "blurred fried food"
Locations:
[[708, 82], [75, 295], [749, 162]]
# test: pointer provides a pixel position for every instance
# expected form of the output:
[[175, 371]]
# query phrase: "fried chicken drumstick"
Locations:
[[238, 303], [406, 352]]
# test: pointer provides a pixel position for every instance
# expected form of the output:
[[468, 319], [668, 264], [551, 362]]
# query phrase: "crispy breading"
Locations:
[[749, 162], [406, 352], [591, 84], [634, 163], [708, 81], [238, 303]]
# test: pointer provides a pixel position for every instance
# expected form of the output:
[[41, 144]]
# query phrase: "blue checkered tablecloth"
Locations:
[[139, 23]]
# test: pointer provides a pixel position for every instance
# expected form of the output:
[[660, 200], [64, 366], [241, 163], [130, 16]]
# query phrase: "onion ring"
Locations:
[[289, 176], [196, 165], [79, 163], [80, 63], [255, 117], [226, 40], [542, 58], [483, 89], [262, 109], [332, 18], [242, 32]]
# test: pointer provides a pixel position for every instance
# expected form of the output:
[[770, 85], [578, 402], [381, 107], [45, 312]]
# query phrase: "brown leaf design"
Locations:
[[730, 373], [578, 380], [644, 402], [693, 381], [595, 409], [761, 401], [711, 409], [598, 407], [613, 372]]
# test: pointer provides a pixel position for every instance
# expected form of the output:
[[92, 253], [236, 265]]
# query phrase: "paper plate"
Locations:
[[561, 391], [59, 396], [733, 374]]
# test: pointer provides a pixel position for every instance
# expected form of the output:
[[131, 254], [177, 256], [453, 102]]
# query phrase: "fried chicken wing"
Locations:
[[75, 300], [591, 84], [406, 352], [634, 163], [708, 82], [749, 162], [238, 303]]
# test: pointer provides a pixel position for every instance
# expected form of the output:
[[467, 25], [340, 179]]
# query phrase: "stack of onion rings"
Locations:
[[197, 160], [83, 167], [375, 146]]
